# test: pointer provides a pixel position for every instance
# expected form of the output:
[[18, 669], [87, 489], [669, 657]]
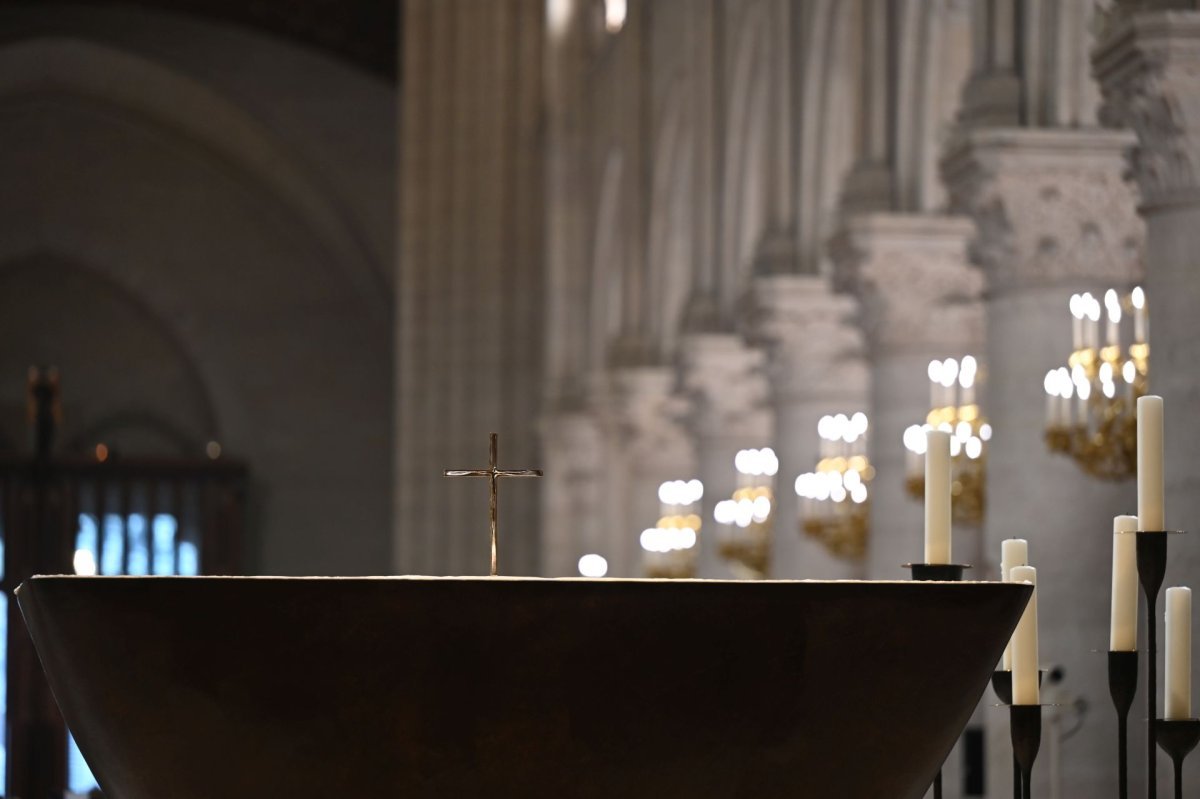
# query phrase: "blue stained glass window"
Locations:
[[170, 557]]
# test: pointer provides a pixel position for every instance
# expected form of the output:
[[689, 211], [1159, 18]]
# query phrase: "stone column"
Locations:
[[1149, 71], [816, 365], [650, 445], [1054, 215], [920, 301], [726, 382], [573, 523]]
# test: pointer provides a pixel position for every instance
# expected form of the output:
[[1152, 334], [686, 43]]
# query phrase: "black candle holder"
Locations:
[[1152, 568], [938, 572], [945, 573], [1122, 685], [1177, 737], [1002, 686], [1025, 723]]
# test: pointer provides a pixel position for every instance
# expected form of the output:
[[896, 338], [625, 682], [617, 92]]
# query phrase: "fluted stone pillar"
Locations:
[[816, 365], [1149, 71], [1054, 215], [920, 300], [725, 380]]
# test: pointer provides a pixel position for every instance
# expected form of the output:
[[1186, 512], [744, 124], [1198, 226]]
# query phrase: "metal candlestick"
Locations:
[[1178, 737], [1152, 567], [945, 573], [937, 572], [1122, 685], [1002, 685], [1025, 722]]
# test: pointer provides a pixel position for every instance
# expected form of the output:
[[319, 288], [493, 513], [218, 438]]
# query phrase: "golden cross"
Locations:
[[493, 474]]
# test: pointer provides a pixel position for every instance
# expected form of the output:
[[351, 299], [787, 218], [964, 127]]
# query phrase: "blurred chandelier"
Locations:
[[1091, 403], [669, 547], [834, 504], [954, 408], [746, 519]]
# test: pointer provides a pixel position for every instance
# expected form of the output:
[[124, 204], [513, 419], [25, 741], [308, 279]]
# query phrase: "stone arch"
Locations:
[[58, 307], [128, 83]]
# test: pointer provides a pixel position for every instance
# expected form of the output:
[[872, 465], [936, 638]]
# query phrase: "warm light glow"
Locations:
[[859, 494], [859, 424], [1138, 297], [614, 15], [213, 450], [985, 432], [935, 371], [101, 452], [1051, 383], [1077, 306], [85, 563], [593, 566], [1128, 371], [949, 372], [558, 16], [825, 428], [974, 448]]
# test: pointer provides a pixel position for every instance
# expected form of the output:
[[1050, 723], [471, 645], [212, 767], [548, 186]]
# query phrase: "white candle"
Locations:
[[1123, 629], [1025, 645], [1177, 699], [1013, 552], [937, 496], [1150, 463]]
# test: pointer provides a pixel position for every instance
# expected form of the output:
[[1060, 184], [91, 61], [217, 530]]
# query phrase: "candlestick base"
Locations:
[[1122, 685], [1025, 722], [938, 572], [1177, 737]]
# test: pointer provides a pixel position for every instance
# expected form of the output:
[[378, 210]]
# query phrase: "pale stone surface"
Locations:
[[1149, 70], [1054, 216], [727, 384], [816, 366], [920, 299]]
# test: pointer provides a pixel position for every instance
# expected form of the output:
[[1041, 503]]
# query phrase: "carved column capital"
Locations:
[[912, 277], [726, 380], [1149, 72], [814, 344], [649, 414], [1050, 205]]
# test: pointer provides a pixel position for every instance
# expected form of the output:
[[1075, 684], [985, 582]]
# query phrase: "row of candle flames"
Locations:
[[1090, 416]]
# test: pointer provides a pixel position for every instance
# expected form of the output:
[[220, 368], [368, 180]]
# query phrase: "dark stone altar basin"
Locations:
[[243, 688]]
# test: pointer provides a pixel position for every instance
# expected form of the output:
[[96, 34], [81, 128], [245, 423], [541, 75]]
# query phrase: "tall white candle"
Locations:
[[1013, 552], [1026, 690], [1150, 463], [937, 496], [1177, 698], [1122, 635]]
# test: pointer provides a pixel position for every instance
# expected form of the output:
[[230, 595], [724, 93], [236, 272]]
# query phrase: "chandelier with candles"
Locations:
[[1091, 403], [955, 409], [669, 547], [746, 519], [834, 499]]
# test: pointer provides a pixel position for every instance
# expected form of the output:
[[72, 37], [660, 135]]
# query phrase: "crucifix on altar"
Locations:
[[493, 473]]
